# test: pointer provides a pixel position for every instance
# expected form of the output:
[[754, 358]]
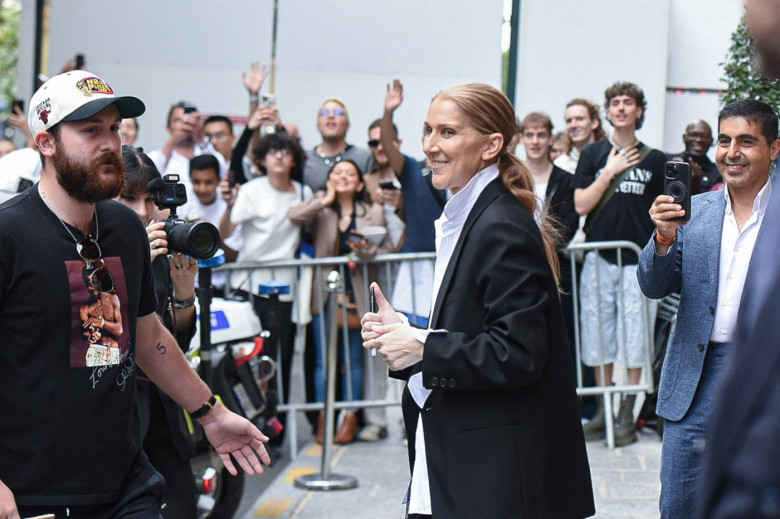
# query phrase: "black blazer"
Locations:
[[502, 427]]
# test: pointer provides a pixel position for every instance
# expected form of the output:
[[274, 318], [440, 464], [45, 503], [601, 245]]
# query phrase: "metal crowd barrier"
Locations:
[[386, 266], [606, 392]]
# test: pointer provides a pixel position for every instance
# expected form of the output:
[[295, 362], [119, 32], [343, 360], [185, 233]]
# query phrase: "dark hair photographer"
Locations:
[[166, 439]]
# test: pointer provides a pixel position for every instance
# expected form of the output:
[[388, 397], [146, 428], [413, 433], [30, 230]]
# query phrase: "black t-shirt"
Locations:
[[626, 215], [69, 427]]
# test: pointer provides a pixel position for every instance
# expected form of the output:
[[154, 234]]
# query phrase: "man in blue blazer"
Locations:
[[741, 476], [706, 260]]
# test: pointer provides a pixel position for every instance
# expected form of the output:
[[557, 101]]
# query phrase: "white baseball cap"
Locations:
[[74, 96]]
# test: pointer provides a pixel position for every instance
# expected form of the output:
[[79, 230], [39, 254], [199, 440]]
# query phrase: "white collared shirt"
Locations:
[[568, 162], [448, 230], [736, 248]]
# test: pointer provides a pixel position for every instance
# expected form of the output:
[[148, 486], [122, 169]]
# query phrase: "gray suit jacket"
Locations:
[[691, 267]]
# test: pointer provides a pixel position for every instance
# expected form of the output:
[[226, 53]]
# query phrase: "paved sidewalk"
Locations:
[[625, 481]]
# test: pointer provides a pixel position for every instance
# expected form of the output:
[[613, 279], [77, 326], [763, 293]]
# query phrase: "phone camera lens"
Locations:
[[676, 190]]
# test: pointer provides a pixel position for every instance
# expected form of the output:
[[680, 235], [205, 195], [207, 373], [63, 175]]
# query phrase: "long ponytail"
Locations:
[[518, 181]]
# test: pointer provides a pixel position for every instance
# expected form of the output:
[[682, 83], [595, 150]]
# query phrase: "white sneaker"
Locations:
[[372, 433]]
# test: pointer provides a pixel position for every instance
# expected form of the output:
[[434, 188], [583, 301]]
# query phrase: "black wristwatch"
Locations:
[[205, 409]]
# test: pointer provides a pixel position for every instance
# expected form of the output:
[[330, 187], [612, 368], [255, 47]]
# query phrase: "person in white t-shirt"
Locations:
[[260, 206]]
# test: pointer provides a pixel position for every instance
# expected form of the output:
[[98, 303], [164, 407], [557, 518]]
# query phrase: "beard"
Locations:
[[381, 160], [84, 181]]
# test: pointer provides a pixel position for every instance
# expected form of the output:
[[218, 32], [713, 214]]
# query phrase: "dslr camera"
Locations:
[[197, 239]]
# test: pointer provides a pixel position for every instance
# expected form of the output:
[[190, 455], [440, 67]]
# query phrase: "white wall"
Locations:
[[696, 50], [196, 50], [577, 49]]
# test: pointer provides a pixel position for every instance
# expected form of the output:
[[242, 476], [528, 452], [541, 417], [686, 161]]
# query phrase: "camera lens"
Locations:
[[197, 239], [676, 190]]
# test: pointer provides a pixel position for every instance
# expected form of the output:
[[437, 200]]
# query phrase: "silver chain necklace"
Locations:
[[97, 229], [330, 161]]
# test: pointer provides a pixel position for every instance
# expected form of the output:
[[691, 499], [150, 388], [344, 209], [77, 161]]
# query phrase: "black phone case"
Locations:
[[677, 183]]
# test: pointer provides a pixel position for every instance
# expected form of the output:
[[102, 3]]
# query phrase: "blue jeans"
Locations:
[[355, 351], [683, 444]]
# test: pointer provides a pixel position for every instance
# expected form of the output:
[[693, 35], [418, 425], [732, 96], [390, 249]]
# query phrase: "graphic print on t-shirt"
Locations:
[[99, 334]]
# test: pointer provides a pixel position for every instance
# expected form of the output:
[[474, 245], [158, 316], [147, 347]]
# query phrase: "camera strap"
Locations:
[[616, 180]]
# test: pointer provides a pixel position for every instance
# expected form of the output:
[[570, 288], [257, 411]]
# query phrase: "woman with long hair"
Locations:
[[335, 215], [490, 406]]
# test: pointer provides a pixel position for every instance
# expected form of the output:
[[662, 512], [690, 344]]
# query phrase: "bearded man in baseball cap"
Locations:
[[77, 320]]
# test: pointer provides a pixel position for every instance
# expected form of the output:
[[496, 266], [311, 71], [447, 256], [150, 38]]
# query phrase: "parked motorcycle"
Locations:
[[227, 353]]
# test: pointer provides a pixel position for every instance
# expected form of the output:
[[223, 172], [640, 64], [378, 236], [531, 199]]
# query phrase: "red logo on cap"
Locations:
[[44, 116]]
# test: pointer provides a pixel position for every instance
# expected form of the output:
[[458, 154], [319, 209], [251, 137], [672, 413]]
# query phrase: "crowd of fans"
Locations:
[[268, 196]]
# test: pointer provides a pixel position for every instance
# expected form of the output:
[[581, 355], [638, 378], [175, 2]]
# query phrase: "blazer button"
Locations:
[[701, 347], [434, 381], [452, 382], [712, 310]]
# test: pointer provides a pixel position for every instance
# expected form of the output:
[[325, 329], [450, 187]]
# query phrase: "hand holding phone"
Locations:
[[389, 185]]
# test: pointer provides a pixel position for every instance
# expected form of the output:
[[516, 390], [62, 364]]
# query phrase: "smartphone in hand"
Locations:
[[677, 184], [268, 99], [355, 237]]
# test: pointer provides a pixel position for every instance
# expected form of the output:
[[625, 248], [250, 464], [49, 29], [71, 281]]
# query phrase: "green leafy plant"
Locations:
[[742, 76], [10, 14]]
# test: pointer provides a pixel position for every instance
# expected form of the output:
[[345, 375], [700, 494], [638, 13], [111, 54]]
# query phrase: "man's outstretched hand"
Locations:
[[234, 435]]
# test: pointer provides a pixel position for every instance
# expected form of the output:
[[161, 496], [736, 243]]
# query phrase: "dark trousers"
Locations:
[[309, 367], [280, 345], [140, 497]]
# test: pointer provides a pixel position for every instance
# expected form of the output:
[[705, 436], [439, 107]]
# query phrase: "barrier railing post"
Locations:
[[325, 480], [607, 391]]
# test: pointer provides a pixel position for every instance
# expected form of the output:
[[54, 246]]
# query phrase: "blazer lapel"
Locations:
[[707, 242], [494, 189]]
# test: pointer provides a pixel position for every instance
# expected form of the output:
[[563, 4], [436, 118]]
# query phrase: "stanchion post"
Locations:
[[204, 293], [325, 480]]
